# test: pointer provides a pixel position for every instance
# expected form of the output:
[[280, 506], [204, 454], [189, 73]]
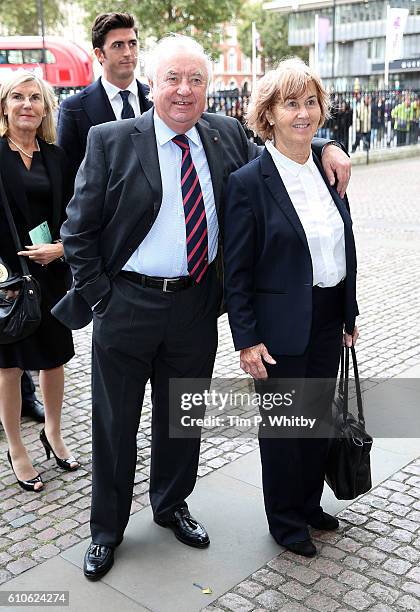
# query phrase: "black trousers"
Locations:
[[140, 334], [27, 387], [293, 469]]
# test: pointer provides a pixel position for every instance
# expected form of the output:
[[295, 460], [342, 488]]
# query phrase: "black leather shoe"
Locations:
[[324, 522], [186, 528], [33, 409], [305, 548], [98, 561]]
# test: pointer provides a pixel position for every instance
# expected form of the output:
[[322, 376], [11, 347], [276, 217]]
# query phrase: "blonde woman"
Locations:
[[33, 171]]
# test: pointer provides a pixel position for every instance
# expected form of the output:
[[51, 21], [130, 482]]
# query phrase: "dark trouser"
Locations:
[[293, 469], [28, 387], [141, 334]]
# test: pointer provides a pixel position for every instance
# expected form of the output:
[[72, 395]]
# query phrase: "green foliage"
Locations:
[[20, 17], [273, 31], [199, 18]]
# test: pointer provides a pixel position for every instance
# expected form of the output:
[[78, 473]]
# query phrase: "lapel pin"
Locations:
[[215, 139]]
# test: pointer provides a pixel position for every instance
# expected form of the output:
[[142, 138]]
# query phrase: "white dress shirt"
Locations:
[[318, 214], [115, 99], [163, 251]]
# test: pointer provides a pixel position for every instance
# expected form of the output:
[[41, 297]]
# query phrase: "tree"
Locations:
[[21, 16], [198, 18], [273, 30]]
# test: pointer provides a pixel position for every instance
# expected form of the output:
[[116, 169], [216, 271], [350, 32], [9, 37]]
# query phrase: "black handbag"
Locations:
[[20, 316], [348, 463]]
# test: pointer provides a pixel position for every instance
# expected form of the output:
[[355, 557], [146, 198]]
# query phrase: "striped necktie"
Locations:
[[194, 211], [127, 110]]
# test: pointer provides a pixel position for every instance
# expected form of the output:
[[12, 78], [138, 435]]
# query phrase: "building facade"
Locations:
[[233, 70], [358, 29]]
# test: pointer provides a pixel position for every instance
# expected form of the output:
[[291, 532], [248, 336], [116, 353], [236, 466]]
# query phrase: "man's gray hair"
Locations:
[[169, 45]]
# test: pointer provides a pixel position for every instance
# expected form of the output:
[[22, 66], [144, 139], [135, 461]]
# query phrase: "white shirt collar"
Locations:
[[113, 91], [288, 164], [164, 133]]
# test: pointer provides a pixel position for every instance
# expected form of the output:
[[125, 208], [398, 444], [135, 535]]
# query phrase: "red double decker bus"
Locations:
[[60, 62]]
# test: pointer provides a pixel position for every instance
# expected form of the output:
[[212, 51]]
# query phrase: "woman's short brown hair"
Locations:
[[46, 130], [289, 80]]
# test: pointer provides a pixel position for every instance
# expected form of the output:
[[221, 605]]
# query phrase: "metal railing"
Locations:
[[361, 121]]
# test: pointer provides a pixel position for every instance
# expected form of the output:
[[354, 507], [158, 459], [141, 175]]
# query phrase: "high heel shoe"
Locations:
[[28, 485], [65, 464]]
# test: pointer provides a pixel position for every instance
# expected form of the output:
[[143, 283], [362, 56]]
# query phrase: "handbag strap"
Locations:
[[345, 353], [358, 389], [13, 230]]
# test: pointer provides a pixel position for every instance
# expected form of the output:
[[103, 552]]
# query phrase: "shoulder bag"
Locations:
[[20, 296]]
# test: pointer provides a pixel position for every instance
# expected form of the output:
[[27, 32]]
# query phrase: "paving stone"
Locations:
[[249, 589], [332, 553], [409, 553], [279, 564], [358, 599], [45, 552], [383, 593], [355, 563], [349, 545], [295, 590], [357, 581], [386, 544], [407, 602], [5, 576], [269, 578], [387, 578], [331, 587], [372, 555], [401, 535], [304, 574], [293, 607], [325, 566], [405, 524], [412, 587], [271, 600], [352, 517], [235, 602], [21, 565], [377, 527], [414, 574], [322, 603], [401, 498], [23, 546], [23, 520], [397, 566], [361, 535]]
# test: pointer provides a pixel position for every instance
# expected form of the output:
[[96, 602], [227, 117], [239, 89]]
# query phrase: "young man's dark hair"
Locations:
[[110, 21]]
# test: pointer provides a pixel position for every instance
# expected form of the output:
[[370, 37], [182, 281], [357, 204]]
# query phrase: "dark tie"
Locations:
[[194, 211], [127, 110]]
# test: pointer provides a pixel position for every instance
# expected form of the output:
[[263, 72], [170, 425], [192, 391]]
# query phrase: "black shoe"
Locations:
[[186, 528], [324, 522], [98, 561], [65, 464], [33, 409], [28, 485], [305, 548]]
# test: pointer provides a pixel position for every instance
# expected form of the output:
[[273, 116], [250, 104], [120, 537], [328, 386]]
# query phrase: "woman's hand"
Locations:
[[351, 339], [43, 253], [336, 165], [251, 360]]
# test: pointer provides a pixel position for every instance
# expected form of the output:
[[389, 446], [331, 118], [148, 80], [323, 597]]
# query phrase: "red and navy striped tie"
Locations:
[[195, 213]]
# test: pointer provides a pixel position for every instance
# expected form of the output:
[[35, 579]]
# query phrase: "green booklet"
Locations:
[[41, 234]]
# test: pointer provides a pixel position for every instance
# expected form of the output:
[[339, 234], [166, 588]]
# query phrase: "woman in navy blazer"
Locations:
[[290, 286]]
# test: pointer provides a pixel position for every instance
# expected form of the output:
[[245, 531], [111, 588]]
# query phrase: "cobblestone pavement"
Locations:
[[371, 563], [375, 555]]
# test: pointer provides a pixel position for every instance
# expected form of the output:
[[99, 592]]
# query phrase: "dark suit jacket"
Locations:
[[268, 266], [118, 193], [56, 164], [78, 113]]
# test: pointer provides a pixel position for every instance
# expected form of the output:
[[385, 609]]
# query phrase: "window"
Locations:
[[232, 65]]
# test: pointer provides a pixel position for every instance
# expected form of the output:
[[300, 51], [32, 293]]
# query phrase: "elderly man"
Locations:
[[142, 240]]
